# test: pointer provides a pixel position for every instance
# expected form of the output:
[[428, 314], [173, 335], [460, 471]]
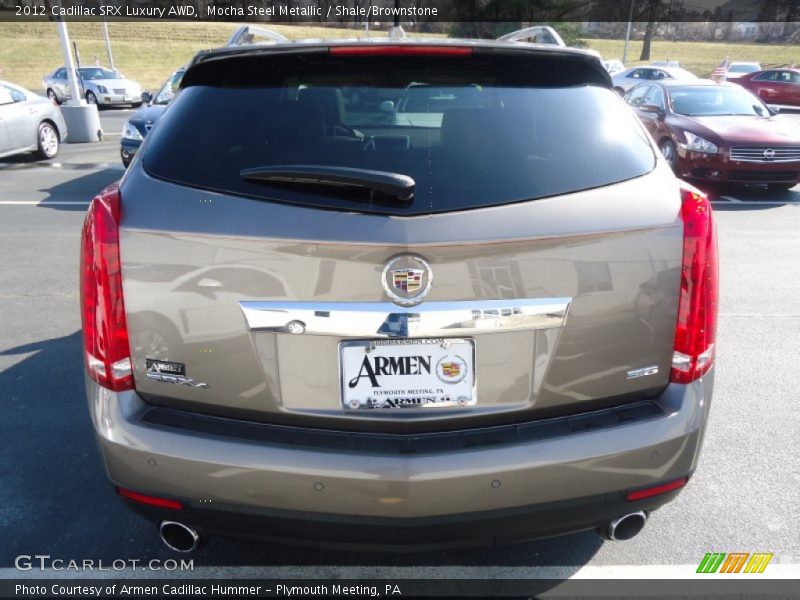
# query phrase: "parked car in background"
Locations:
[[774, 86], [740, 69], [29, 123], [538, 34], [99, 85], [625, 80], [665, 63], [613, 66], [142, 121], [339, 328], [719, 133]]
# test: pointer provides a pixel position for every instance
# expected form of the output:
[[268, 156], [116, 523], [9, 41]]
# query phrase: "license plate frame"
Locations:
[[448, 381]]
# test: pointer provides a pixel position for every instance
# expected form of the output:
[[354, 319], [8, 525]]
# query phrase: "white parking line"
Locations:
[[43, 203], [755, 202], [761, 315], [66, 166]]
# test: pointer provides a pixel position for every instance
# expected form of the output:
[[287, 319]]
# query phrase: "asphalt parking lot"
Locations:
[[54, 498]]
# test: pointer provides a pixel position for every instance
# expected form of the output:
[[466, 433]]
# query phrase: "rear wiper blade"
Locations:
[[391, 184]]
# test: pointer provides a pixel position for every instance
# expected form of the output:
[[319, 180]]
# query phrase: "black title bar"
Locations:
[[408, 11]]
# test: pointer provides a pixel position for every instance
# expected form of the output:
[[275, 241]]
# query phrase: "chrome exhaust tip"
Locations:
[[178, 537], [625, 527]]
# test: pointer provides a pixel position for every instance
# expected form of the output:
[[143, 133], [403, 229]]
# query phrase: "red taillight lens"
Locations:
[[151, 500], [696, 330], [656, 490], [400, 50], [105, 332]]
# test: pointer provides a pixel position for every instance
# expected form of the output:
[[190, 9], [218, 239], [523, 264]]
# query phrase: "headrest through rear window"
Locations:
[[329, 100]]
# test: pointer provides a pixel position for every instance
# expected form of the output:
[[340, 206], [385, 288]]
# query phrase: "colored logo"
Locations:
[[734, 562], [451, 369], [407, 279]]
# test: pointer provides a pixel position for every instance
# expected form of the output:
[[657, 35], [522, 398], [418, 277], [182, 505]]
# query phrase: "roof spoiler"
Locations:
[[252, 34], [541, 34]]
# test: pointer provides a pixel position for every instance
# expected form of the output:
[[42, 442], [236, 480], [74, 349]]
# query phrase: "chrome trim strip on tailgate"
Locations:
[[383, 319]]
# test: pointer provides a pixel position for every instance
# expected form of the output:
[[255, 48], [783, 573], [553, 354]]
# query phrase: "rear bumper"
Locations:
[[501, 492], [112, 99], [486, 528]]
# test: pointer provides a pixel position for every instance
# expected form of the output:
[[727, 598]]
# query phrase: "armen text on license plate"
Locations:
[[407, 373]]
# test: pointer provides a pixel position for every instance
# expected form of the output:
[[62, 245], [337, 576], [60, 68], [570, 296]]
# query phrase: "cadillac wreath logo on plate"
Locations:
[[407, 279]]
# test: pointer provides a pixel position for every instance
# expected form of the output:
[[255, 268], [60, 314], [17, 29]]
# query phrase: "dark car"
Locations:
[[142, 121], [775, 86], [718, 133], [304, 320]]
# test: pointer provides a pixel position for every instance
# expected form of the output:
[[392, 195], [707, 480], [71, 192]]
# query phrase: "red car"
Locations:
[[774, 86], [718, 133]]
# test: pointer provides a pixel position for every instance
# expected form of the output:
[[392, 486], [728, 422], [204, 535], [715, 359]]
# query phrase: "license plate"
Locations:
[[407, 373]]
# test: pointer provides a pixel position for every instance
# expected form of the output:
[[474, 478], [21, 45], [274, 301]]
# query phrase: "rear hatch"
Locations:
[[294, 253]]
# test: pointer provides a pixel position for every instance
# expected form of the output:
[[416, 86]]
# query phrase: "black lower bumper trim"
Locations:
[[497, 527], [763, 176], [389, 443]]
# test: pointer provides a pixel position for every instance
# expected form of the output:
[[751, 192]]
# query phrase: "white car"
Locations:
[[613, 66], [625, 80], [29, 123], [101, 86], [739, 69]]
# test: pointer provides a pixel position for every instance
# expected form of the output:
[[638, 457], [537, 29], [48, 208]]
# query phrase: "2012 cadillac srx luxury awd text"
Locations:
[[400, 295]]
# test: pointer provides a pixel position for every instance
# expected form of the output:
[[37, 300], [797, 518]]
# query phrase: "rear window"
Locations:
[[470, 132]]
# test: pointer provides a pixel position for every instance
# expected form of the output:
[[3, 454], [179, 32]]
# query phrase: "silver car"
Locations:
[[304, 319], [625, 80], [99, 85], [29, 122], [613, 66]]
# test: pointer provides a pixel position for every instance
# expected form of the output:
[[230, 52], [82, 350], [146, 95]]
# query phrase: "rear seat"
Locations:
[[331, 105], [296, 131]]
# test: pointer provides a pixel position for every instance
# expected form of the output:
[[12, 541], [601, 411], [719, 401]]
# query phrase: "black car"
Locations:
[[142, 121]]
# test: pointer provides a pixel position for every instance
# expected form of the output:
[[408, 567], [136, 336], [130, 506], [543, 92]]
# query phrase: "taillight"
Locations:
[[400, 50], [696, 330], [105, 333], [151, 500], [656, 490]]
